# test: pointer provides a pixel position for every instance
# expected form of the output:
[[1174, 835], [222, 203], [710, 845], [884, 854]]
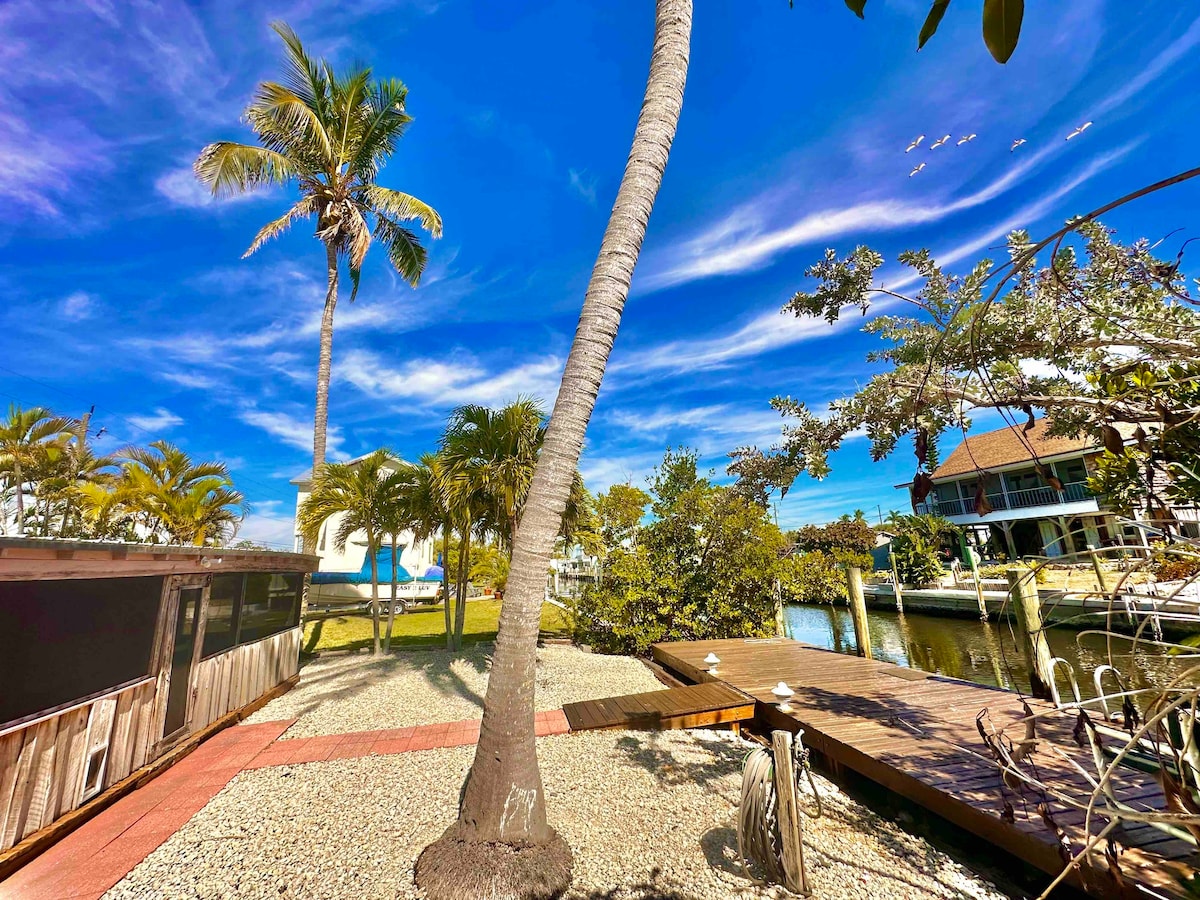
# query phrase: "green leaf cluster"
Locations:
[[704, 567]]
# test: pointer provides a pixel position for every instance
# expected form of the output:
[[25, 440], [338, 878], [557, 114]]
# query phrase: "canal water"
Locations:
[[981, 653]]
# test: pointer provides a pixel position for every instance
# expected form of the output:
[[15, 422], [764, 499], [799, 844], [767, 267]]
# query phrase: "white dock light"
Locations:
[[783, 693], [711, 660]]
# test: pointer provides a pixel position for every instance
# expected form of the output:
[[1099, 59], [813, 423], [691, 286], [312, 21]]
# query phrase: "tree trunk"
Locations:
[[446, 584], [504, 801], [387, 641], [373, 549], [464, 568], [324, 362], [19, 482]]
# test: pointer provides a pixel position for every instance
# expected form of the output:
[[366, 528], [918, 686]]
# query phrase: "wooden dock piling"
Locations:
[[858, 611], [1028, 608]]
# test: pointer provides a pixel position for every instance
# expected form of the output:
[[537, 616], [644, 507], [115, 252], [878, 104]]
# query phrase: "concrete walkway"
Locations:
[[97, 855]]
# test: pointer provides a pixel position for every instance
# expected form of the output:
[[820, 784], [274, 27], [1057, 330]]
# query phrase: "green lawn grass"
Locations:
[[423, 628]]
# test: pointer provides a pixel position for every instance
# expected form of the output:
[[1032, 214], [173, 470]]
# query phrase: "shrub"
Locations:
[[704, 568], [813, 577], [1176, 568]]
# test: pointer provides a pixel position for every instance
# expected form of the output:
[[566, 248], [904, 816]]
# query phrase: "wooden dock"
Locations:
[[915, 734], [693, 706]]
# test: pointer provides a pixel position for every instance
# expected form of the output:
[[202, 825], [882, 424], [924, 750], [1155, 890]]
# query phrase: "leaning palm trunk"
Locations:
[[501, 846], [324, 362], [464, 568], [19, 489], [446, 584], [373, 549], [387, 640]]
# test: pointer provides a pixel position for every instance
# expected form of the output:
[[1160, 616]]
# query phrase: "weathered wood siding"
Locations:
[[230, 680], [42, 763]]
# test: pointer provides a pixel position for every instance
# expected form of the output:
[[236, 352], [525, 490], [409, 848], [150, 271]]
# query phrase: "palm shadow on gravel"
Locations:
[[715, 758], [434, 665]]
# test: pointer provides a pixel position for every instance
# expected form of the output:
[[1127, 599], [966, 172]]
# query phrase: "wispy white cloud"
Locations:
[[744, 241], [441, 383], [1150, 72], [161, 419], [181, 187], [269, 522], [290, 430], [583, 184], [78, 306]]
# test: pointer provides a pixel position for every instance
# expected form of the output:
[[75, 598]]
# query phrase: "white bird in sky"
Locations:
[[916, 170], [965, 139], [939, 142], [1017, 143], [915, 144], [1080, 130]]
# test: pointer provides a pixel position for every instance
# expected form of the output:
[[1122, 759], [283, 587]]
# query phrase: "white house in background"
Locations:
[[345, 575], [1028, 516]]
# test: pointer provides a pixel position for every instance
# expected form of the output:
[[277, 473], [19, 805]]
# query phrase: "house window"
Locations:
[[1071, 471], [270, 604], [224, 610]]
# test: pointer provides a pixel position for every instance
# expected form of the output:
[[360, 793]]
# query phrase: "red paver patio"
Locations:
[[97, 855], [102, 851]]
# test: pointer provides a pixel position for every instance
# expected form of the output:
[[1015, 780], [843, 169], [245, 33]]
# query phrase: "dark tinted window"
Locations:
[[224, 610], [61, 641], [270, 604]]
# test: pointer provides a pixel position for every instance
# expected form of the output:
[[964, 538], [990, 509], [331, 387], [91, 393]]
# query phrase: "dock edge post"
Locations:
[[858, 611], [1027, 606], [791, 828]]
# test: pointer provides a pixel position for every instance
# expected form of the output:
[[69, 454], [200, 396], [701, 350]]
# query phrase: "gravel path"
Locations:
[[647, 814], [358, 692]]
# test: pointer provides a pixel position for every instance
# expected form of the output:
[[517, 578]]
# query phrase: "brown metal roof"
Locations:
[[1008, 446]]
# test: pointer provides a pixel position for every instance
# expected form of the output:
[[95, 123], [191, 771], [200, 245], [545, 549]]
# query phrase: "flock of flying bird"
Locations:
[[967, 138]]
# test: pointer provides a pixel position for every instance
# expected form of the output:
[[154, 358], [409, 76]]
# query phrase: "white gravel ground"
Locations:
[[648, 815], [358, 692]]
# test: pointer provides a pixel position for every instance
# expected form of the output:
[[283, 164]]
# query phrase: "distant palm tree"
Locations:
[[360, 493], [191, 502], [78, 467], [429, 516], [397, 516], [329, 135], [25, 436]]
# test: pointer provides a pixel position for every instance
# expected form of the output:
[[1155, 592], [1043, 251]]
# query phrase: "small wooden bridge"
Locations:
[[915, 734], [692, 706]]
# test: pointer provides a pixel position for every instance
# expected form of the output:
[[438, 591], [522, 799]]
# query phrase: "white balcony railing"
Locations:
[[1074, 492]]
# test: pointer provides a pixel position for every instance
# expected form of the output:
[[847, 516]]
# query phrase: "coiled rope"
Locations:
[[759, 840]]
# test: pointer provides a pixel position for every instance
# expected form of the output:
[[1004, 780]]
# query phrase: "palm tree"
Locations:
[[429, 516], [25, 436], [504, 801], [396, 517], [360, 493], [190, 502], [329, 135]]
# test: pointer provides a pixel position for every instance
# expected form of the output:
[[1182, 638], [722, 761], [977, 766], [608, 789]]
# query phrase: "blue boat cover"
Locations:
[[363, 576]]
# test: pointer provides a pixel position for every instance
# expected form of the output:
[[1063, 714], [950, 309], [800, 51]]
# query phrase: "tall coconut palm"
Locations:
[[25, 435], [329, 135], [360, 493], [504, 801]]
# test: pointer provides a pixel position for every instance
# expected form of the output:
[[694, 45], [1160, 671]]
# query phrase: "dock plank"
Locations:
[[917, 736], [681, 707]]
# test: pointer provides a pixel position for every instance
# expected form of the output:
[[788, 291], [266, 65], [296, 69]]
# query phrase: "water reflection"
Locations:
[[974, 651]]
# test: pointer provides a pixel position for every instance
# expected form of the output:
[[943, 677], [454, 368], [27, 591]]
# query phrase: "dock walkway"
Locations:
[[915, 734], [692, 706]]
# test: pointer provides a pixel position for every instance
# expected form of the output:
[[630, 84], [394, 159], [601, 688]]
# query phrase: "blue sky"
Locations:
[[123, 284]]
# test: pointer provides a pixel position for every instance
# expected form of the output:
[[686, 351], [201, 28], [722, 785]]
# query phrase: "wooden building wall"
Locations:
[[42, 762], [231, 680]]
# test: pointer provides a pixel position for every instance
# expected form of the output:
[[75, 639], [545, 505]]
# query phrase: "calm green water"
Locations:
[[981, 653]]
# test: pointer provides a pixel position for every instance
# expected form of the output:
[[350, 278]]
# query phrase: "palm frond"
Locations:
[[403, 207], [230, 168], [403, 247], [384, 122], [273, 229]]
